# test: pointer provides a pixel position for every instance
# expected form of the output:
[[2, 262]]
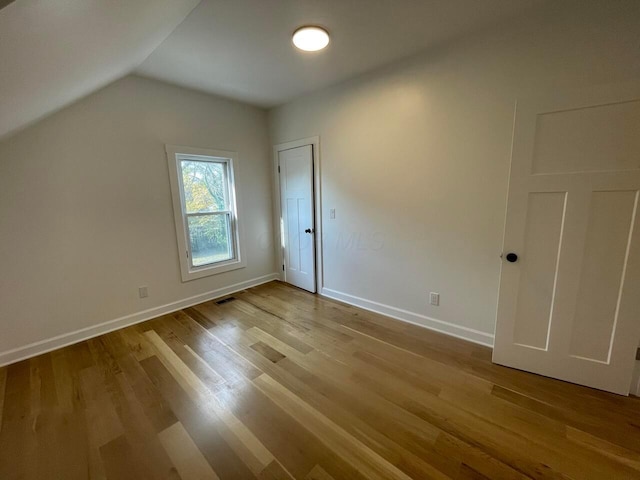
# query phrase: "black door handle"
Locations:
[[512, 257], [309, 230]]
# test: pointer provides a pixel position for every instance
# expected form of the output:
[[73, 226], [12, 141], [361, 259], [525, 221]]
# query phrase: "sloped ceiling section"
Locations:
[[4, 3], [53, 52]]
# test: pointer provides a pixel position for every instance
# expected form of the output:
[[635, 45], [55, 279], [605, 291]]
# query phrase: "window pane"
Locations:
[[205, 186], [210, 239]]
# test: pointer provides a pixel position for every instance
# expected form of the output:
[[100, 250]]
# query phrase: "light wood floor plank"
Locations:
[[101, 419], [203, 427], [241, 438], [318, 473], [598, 446], [18, 444], [185, 455], [120, 461], [155, 408], [217, 378], [70, 420], [101, 415], [360, 456]]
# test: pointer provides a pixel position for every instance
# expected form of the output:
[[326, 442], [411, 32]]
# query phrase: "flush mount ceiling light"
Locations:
[[310, 38]]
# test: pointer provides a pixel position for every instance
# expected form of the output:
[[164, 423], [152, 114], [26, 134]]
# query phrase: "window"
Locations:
[[205, 210]]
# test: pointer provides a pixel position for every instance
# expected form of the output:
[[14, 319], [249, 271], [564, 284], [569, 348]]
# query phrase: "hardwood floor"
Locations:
[[281, 384]]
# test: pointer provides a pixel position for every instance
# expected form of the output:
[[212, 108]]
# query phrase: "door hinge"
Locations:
[[278, 168], [187, 253], [283, 267]]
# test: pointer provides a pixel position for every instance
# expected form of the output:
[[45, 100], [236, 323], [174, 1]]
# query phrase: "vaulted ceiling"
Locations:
[[53, 52]]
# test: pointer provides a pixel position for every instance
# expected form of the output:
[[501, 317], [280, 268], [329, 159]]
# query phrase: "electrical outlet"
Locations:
[[434, 299], [143, 292], [332, 214]]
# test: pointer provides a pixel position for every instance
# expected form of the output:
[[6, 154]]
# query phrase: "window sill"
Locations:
[[207, 271]]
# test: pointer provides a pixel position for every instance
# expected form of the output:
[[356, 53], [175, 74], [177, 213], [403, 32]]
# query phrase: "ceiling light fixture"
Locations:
[[310, 38]]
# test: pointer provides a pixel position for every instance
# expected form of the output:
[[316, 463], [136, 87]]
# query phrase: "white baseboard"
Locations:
[[441, 326], [44, 346]]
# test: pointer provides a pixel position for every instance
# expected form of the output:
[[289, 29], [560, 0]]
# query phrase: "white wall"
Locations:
[[415, 157], [85, 207]]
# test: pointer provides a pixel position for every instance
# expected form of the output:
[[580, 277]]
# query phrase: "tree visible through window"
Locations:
[[208, 210]]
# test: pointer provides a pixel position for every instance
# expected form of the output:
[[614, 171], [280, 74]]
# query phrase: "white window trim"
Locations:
[[174, 153]]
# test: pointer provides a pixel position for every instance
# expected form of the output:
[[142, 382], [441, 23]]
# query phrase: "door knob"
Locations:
[[309, 230], [512, 257]]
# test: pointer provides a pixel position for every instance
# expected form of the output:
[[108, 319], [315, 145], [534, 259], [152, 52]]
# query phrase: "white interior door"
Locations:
[[298, 226], [569, 305]]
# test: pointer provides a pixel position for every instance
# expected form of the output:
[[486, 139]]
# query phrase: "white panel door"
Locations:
[[298, 227], [569, 304]]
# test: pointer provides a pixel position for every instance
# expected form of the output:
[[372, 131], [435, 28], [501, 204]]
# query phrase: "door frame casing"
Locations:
[[317, 205]]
